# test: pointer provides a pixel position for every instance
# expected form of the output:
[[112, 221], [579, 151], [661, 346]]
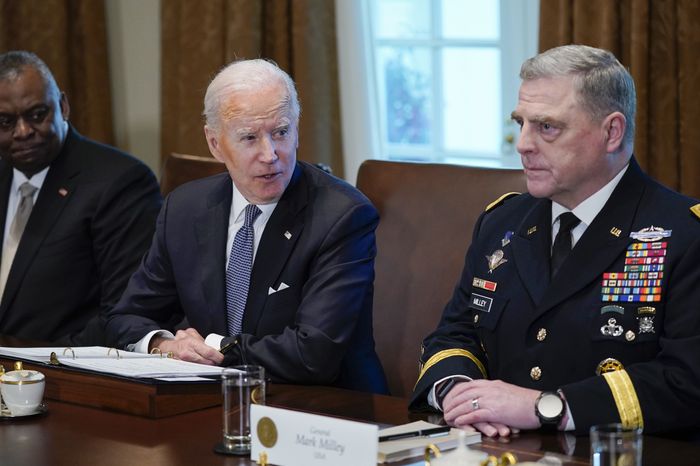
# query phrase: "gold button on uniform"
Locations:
[[535, 373], [541, 334], [630, 336]]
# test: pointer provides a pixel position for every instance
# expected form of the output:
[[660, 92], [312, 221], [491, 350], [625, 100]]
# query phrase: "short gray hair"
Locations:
[[246, 75], [14, 63], [602, 83]]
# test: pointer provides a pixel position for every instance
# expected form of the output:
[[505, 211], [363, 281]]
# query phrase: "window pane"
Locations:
[[470, 19], [401, 19], [405, 94], [472, 99]]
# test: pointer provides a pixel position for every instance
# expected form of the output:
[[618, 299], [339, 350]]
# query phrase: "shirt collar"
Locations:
[[37, 180], [240, 203], [591, 207]]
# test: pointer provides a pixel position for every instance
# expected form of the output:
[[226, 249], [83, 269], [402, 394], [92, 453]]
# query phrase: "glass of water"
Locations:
[[241, 386], [615, 445]]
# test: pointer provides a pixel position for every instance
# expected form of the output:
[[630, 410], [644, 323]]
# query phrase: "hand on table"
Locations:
[[491, 406], [189, 345]]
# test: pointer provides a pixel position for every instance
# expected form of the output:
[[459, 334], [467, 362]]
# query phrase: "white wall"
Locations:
[[133, 33]]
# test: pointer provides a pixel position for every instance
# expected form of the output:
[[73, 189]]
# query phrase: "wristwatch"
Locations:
[[550, 408], [443, 389]]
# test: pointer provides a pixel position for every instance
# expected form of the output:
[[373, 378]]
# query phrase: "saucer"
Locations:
[[6, 416]]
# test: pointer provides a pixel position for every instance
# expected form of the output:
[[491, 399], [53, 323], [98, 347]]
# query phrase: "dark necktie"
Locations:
[[562, 243], [24, 210], [238, 272]]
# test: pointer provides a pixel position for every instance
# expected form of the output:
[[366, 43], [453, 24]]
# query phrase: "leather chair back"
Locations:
[[427, 215], [181, 168]]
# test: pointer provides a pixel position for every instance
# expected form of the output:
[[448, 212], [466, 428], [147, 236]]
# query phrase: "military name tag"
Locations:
[[480, 303]]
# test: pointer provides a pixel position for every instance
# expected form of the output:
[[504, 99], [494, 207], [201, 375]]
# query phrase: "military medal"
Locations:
[[506, 238], [484, 284], [495, 260], [611, 329], [642, 278], [646, 319], [650, 234]]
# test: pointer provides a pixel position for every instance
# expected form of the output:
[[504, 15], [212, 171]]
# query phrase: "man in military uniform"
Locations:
[[578, 303]]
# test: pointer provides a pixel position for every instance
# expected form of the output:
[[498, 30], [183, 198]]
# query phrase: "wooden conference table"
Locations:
[[69, 434]]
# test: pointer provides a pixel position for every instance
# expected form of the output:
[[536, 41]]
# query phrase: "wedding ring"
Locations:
[[475, 404]]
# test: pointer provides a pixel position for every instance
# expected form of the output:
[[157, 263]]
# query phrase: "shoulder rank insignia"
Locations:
[[696, 210], [500, 201]]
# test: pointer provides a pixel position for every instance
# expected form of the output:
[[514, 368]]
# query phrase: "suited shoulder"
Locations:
[[509, 204], [328, 189], [98, 159]]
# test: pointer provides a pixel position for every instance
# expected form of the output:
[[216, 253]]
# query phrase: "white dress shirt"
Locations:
[[235, 222], [18, 179]]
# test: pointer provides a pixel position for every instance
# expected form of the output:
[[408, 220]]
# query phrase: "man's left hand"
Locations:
[[498, 403]]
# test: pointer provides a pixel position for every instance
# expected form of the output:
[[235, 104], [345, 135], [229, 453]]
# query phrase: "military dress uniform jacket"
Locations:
[[308, 316], [508, 321]]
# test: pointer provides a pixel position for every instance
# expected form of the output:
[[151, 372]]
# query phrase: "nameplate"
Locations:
[[291, 438]]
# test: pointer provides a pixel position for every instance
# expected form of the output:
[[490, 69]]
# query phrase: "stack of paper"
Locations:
[[397, 450], [124, 363]]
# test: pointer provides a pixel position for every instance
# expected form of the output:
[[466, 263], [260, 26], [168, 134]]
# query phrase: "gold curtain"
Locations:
[[659, 42], [198, 38], [71, 37]]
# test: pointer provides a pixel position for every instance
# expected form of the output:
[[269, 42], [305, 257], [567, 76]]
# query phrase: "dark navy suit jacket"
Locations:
[[91, 224], [319, 241]]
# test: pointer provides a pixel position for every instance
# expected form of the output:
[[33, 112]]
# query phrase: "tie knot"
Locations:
[[27, 189], [251, 213], [568, 221]]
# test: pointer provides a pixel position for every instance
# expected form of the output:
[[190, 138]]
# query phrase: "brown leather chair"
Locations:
[[181, 168], [427, 215]]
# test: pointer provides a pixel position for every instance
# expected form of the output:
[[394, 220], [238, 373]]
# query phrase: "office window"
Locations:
[[436, 80]]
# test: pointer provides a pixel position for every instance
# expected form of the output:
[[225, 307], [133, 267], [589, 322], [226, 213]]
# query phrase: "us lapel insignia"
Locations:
[[615, 232], [495, 260], [650, 234], [506, 238], [287, 235], [63, 192]]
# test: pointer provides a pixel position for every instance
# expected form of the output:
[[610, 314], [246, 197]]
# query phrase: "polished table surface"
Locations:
[[74, 435]]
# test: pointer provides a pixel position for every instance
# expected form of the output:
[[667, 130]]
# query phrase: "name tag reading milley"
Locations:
[[291, 438]]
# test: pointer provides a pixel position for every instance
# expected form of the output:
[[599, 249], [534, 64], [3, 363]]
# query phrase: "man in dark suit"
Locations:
[[298, 301], [538, 334], [70, 245]]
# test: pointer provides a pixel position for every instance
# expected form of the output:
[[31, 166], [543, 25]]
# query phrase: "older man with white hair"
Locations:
[[578, 304], [270, 264]]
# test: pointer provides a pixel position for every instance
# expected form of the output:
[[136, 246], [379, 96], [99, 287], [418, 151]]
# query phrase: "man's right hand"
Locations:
[[188, 345]]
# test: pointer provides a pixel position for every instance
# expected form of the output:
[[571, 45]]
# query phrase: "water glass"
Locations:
[[241, 386], [615, 445]]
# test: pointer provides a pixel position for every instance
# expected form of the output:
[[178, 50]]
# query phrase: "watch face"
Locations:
[[550, 406]]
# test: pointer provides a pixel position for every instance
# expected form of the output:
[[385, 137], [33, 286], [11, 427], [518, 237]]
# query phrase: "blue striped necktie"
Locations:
[[240, 265]]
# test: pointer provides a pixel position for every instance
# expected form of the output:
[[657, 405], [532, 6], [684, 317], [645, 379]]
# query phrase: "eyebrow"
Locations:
[[539, 119]]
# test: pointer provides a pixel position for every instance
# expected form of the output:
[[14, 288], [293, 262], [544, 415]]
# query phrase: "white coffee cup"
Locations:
[[22, 391]]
